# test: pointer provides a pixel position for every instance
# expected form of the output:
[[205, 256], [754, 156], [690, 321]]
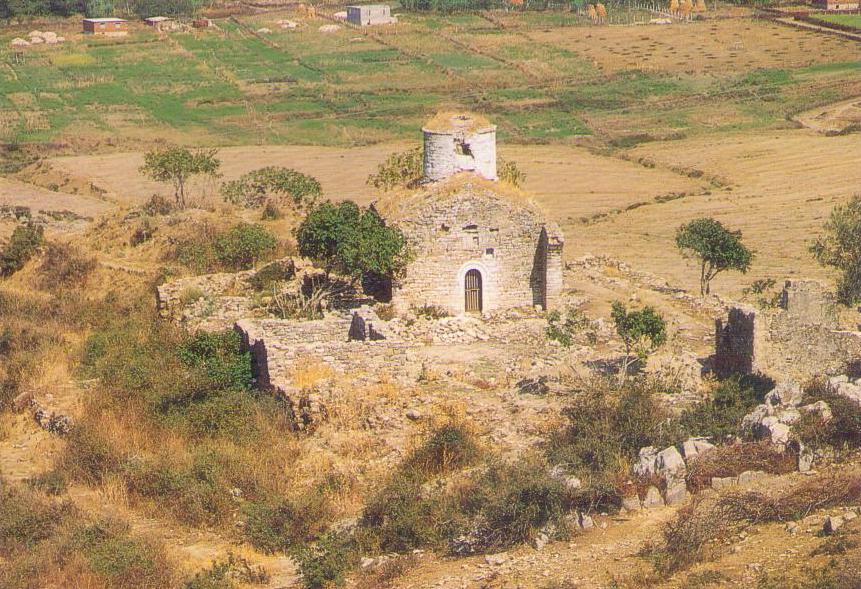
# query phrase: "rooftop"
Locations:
[[105, 19], [450, 122]]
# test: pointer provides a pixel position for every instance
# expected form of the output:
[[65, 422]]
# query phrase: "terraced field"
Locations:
[[545, 78]]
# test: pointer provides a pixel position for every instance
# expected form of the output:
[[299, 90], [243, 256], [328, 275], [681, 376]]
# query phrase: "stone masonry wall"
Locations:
[[798, 340], [500, 239], [444, 154]]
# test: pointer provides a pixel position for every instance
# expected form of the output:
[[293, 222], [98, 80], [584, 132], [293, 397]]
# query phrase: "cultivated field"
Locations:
[[546, 77]]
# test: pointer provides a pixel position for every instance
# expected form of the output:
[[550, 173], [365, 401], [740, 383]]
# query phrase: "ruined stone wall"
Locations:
[[503, 241], [278, 347], [797, 340]]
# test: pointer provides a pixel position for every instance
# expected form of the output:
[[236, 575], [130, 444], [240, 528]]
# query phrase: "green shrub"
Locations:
[[26, 520], [564, 328], [720, 416], [243, 246], [229, 573], [842, 431], [65, 265], [399, 169], [511, 503], [220, 356], [326, 562], [448, 447], [270, 275], [277, 524], [25, 241], [52, 482], [273, 186]]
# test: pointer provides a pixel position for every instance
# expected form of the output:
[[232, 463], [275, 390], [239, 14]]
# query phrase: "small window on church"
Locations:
[[444, 228], [489, 252], [470, 228]]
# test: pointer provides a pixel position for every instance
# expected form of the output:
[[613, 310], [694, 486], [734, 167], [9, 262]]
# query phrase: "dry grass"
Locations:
[[730, 461], [695, 533]]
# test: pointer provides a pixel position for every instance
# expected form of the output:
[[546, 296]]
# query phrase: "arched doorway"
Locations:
[[473, 292]]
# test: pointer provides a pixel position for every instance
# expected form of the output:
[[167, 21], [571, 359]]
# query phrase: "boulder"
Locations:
[[719, 483], [805, 459], [677, 492], [571, 482], [632, 503], [646, 464], [670, 464], [695, 446], [19, 42], [785, 393], [653, 498], [820, 408], [750, 476], [832, 524], [586, 522]]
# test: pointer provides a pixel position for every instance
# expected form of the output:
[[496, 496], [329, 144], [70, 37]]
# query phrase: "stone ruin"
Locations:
[[799, 339]]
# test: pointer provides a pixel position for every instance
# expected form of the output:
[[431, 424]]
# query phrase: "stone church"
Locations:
[[477, 244]]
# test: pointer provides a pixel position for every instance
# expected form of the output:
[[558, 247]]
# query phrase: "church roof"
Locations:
[[402, 205]]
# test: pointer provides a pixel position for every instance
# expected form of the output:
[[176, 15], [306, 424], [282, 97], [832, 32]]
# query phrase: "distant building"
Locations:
[[160, 23], [477, 245], [201, 23], [837, 5], [106, 26], [370, 14]]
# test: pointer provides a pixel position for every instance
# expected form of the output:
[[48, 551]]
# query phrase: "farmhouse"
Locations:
[[370, 14], [476, 245], [838, 5], [160, 23], [106, 26]]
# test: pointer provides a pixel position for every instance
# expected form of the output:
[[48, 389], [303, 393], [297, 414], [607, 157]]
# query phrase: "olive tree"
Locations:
[[717, 248], [352, 241], [274, 185], [840, 248], [176, 165], [642, 331]]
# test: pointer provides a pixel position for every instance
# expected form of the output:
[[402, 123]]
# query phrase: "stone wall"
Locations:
[[449, 153], [517, 253], [797, 340]]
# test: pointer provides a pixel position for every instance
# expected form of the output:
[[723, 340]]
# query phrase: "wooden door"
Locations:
[[472, 287]]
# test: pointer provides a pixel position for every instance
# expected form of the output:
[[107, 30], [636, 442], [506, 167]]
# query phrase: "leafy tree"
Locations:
[[642, 331], [399, 169], [177, 165], [840, 248], [272, 185], [717, 248], [352, 241], [23, 244]]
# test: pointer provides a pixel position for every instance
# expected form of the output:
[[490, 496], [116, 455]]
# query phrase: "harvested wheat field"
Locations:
[[781, 188], [717, 47], [571, 181]]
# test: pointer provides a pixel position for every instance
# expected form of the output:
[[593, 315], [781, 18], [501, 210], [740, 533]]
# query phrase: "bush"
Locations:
[[446, 448], [564, 328], [52, 482], [23, 244], [431, 312], [42, 540], [842, 431], [510, 173], [65, 265], [720, 416], [278, 524], [399, 169], [731, 461], [229, 573], [273, 186], [243, 246], [840, 249], [326, 562], [510, 504]]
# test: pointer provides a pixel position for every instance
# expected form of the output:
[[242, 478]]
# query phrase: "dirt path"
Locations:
[[833, 118], [592, 558]]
